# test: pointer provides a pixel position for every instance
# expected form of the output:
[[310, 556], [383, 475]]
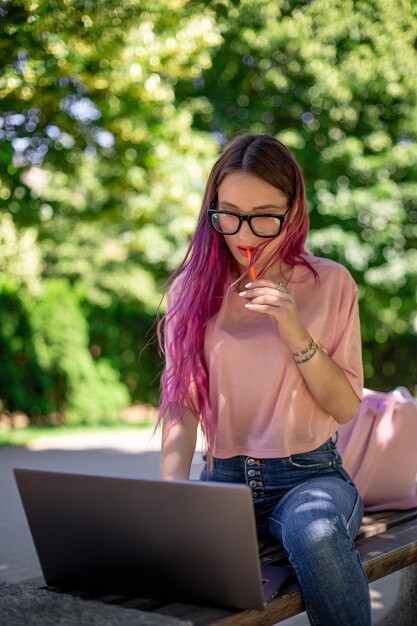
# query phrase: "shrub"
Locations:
[[47, 364]]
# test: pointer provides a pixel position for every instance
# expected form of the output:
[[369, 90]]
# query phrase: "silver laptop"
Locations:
[[176, 541]]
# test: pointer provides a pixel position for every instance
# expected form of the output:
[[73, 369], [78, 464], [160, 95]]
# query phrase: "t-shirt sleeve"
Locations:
[[346, 350]]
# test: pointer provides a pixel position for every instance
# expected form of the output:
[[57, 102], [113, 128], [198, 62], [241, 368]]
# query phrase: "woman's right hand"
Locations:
[[178, 446]]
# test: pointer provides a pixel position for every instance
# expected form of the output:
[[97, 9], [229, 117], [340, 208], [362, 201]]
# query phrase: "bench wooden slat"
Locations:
[[388, 552], [383, 520]]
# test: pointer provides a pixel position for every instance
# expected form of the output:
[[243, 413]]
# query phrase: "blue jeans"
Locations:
[[309, 503]]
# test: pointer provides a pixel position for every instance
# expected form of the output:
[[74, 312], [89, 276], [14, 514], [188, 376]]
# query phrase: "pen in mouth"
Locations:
[[252, 269]]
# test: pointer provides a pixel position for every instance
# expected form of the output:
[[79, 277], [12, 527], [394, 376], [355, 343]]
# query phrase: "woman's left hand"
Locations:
[[273, 299]]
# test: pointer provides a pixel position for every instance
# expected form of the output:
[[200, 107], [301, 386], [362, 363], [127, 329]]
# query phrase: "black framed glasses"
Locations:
[[262, 225]]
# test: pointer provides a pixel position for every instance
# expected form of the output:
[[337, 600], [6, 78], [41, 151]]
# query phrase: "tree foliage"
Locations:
[[337, 82], [102, 170], [112, 116]]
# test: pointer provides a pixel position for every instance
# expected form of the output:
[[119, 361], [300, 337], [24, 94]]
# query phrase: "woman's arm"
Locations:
[[326, 381], [178, 445]]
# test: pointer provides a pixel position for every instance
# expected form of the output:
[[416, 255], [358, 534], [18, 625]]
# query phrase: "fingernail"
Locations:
[[248, 285], [248, 305], [243, 293]]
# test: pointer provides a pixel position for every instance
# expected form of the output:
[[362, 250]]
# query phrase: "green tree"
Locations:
[[100, 167], [113, 115], [337, 82]]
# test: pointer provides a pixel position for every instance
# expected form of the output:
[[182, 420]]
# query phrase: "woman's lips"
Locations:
[[242, 250]]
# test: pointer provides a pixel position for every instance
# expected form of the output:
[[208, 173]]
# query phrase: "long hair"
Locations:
[[208, 266]]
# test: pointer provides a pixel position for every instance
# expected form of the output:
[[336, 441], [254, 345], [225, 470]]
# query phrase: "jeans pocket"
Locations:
[[312, 460]]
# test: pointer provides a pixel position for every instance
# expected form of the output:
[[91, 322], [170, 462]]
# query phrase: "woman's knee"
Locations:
[[312, 531], [310, 518]]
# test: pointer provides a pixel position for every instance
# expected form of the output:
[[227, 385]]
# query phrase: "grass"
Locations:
[[23, 436]]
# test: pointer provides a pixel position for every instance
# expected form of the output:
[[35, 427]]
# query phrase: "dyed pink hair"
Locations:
[[209, 265]]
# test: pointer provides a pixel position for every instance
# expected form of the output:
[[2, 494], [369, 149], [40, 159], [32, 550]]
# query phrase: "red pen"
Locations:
[[252, 269]]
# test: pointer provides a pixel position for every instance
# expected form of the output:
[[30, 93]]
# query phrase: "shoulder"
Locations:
[[331, 272]]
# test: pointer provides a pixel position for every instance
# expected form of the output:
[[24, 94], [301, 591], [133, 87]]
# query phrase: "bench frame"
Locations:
[[387, 542]]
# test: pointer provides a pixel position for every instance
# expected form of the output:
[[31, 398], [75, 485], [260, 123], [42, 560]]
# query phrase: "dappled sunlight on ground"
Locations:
[[124, 441], [129, 441], [376, 599]]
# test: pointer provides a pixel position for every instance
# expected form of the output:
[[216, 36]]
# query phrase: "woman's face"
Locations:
[[247, 194]]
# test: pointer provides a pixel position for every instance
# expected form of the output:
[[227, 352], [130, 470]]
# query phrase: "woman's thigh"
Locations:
[[320, 503], [327, 493]]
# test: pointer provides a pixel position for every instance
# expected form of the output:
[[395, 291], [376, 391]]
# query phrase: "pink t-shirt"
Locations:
[[263, 407]]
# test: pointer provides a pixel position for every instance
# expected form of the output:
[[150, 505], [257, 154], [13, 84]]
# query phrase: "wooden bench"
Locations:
[[387, 542]]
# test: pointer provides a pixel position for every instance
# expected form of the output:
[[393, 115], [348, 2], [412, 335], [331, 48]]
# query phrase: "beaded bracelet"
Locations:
[[307, 353]]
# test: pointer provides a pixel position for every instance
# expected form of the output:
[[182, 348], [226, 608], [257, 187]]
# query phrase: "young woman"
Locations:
[[263, 349]]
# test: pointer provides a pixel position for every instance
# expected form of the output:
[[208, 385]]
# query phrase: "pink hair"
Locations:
[[208, 267]]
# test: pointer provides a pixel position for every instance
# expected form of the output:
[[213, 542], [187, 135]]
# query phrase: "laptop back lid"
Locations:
[[174, 540]]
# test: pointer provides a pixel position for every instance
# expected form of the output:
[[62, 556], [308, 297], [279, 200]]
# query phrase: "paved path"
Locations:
[[132, 453]]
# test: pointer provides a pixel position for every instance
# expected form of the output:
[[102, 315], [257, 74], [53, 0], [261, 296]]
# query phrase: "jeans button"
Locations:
[[251, 461], [251, 473], [252, 483]]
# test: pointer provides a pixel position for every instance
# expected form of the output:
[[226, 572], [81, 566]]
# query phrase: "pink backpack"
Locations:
[[379, 449]]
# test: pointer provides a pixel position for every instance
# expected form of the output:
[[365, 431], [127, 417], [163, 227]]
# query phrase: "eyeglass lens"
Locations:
[[263, 226]]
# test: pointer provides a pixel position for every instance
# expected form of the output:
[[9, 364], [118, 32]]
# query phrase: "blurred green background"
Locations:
[[112, 115]]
